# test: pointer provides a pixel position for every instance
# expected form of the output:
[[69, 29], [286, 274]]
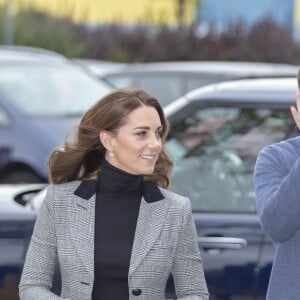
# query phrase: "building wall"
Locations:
[[102, 11], [296, 16]]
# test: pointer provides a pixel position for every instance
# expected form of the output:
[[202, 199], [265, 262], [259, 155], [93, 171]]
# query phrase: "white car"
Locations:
[[17, 217], [216, 134], [169, 80]]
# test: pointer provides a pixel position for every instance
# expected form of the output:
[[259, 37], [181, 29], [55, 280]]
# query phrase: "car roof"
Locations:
[[29, 54], [235, 69], [259, 92], [101, 67]]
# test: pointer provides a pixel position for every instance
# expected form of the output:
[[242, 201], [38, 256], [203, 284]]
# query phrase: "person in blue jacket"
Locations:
[[277, 191]]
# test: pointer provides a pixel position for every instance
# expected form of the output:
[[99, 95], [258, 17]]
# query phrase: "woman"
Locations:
[[108, 219]]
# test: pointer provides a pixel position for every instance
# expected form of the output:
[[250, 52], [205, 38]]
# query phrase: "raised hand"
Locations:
[[296, 111]]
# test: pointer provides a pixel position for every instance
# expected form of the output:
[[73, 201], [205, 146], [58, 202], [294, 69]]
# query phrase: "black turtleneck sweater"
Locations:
[[117, 206]]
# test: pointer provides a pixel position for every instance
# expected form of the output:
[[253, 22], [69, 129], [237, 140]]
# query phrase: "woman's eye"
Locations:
[[159, 134], [141, 133]]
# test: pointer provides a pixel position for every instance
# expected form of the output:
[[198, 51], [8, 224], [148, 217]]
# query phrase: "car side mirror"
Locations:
[[25, 197]]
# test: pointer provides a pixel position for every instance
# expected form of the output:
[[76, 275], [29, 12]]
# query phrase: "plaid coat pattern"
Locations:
[[165, 241]]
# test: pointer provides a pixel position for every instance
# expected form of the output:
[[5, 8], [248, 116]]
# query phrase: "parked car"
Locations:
[[101, 67], [170, 80], [16, 224], [42, 95], [216, 133]]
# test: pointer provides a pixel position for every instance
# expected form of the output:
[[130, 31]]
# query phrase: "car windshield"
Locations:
[[57, 90], [215, 150]]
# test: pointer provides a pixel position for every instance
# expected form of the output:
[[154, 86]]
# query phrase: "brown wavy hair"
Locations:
[[79, 159]]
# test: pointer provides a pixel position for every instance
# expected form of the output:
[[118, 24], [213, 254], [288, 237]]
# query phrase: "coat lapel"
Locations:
[[150, 221], [82, 223], [153, 212]]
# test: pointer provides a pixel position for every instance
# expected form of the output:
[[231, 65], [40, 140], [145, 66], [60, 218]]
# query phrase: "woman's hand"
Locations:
[[296, 111]]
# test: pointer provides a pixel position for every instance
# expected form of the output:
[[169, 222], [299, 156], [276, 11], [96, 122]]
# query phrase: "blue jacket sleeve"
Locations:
[[277, 190]]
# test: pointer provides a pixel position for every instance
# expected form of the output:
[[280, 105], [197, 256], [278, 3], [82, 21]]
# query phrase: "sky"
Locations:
[[224, 11]]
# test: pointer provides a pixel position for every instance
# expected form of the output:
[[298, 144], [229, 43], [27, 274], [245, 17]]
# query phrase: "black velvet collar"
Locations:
[[88, 188]]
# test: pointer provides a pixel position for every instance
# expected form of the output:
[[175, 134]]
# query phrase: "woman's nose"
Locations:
[[155, 142]]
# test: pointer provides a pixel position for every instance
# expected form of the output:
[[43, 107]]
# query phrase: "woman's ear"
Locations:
[[106, 138]]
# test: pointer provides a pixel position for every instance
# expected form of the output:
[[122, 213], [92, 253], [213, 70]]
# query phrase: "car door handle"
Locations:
[[222, 243]]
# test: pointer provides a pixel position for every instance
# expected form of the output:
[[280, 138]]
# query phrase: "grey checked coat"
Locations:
[[165, 241]]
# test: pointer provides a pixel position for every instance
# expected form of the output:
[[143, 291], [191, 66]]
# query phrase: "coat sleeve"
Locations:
[[187, 269], [41, 257], [277, 190]]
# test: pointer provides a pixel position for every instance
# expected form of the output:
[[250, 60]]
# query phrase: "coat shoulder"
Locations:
[[64, 187], [56, 194], [177, 200], [281, 154], [284, 147]]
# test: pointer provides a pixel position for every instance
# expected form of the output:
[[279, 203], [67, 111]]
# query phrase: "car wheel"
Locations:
[[21, 176]]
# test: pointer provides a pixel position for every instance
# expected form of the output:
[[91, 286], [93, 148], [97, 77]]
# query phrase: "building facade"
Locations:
[[122, 11]]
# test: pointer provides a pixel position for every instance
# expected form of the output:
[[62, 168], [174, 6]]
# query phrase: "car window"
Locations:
[[58, 90], [165, 87], [4, 119], [119, 80], [197, 80], [215, 151]]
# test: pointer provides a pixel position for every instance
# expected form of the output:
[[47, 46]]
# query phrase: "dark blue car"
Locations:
[[42, 96]]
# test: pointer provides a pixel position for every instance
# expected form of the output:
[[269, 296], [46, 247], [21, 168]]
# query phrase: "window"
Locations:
[[54, 90], [165, 87], [215, 152], [4, 119], [197, 80]]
